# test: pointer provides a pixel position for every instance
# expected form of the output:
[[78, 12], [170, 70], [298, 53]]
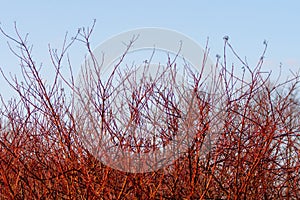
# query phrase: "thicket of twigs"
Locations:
[[255, 154]]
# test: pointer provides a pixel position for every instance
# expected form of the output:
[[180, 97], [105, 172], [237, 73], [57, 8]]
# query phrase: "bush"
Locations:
[[255, 123]]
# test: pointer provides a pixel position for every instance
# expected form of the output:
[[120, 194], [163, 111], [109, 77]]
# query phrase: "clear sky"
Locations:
[[247, 23]]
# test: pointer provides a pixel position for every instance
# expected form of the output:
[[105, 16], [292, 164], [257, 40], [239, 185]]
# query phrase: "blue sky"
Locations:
[[247, 24]]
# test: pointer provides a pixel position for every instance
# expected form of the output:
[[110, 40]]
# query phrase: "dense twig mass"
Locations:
[[254, 123]]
